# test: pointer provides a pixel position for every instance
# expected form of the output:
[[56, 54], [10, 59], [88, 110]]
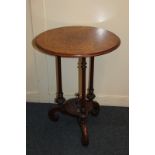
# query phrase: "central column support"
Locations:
[[82, 92], [82, 83]]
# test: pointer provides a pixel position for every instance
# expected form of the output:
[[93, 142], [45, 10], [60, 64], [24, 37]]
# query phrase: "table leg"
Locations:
[[59, 98], [90, 94], [84, 113]]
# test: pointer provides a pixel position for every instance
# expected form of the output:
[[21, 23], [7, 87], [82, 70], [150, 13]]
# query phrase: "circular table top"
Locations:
[[77, 41]]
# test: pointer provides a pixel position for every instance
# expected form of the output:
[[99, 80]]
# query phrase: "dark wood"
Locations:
[[84, 112], [59, 98], [53, 113], [96, 108], [83, 77], [79, 79], [77, 41], [84, 130], [78, 107], [72, 107], [90, 94]]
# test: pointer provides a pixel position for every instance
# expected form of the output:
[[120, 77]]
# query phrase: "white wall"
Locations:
[[111, 70]]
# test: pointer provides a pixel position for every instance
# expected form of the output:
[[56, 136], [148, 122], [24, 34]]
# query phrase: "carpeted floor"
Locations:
[[108, 133]]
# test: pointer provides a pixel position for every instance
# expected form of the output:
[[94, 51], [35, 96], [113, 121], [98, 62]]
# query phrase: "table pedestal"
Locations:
[[82, 104]]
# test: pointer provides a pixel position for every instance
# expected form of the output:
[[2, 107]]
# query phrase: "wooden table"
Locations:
[[79, 42]]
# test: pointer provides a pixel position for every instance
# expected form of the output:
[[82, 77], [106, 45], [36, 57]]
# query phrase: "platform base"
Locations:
[[72, 107]]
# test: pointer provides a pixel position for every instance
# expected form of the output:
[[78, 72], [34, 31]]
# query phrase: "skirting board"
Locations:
[[108, 100], [113, 100]]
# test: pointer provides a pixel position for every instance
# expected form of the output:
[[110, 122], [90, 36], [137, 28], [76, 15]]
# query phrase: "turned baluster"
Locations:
[[59, 96]]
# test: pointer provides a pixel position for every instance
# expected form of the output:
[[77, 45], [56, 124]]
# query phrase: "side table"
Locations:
[[79, 42]]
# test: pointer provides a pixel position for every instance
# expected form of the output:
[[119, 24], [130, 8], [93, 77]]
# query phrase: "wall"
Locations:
[[111, 70]]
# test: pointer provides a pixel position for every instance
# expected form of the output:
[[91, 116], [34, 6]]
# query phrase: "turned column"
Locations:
[[90, 94], [59, 96], [82, 85], [84, 114]]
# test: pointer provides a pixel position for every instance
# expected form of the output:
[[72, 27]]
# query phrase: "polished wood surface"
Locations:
[[77, 41]]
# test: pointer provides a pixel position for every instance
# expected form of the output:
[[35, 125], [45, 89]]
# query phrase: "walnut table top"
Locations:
[[77, 41]]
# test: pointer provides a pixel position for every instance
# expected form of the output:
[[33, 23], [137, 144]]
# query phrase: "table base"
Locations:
[[72, 107], [83, 104]]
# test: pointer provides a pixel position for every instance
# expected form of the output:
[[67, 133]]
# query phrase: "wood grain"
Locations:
[[77, 41]]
